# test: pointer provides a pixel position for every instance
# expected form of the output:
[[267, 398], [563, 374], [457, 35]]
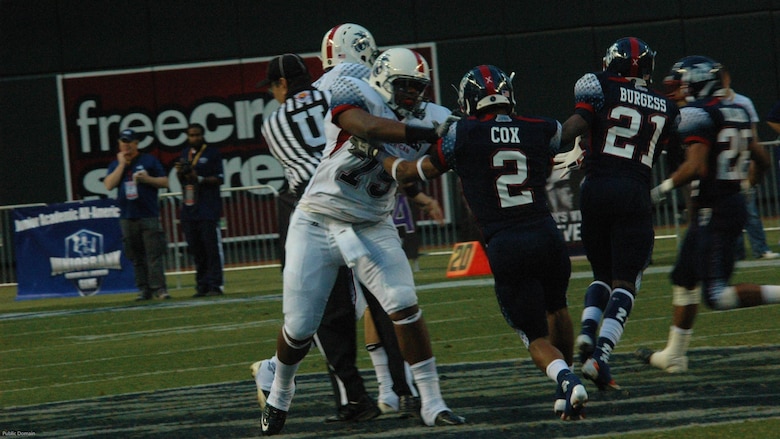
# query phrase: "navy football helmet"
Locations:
[[484, 86], [699, 77], [630, 58]]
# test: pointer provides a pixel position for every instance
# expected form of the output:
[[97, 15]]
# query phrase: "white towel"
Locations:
[[350, 245]]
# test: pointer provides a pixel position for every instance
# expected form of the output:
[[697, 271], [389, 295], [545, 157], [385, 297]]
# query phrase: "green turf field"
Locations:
[[67, 349]]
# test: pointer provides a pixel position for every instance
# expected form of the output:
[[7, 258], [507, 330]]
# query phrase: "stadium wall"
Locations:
[[548, 45]]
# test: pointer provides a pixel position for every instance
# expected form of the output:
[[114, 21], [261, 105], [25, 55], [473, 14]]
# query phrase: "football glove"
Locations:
[[658, 193], [569, 160], [363, 148], [444, 127]]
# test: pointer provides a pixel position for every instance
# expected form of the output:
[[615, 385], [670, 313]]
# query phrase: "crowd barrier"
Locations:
[[250, 231]]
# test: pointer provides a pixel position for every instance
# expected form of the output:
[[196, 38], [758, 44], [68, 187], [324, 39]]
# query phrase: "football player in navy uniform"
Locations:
[[719, 139], [503, 161], [624, 126]]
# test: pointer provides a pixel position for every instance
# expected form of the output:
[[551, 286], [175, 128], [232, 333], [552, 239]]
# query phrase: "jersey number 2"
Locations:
[[511, 159]]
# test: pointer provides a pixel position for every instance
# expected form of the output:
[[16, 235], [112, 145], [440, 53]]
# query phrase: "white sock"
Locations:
[[555, 367], [384, 380], [672, 357], [410, 380], [770, 293], [283, 387], [679, 339], [427, 380]]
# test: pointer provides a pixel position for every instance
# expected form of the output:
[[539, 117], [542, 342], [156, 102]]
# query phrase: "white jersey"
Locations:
[[346, 187], [355, 70]]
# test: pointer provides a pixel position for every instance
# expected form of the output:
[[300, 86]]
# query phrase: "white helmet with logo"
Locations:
[[348, 42], [401, 76]]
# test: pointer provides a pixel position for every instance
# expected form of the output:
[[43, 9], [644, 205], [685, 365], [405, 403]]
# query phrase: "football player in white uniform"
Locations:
[[344, 218], [347, 50]]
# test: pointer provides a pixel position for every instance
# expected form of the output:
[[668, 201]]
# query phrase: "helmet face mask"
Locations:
[[630, 58], [348, 42], [485, 86], [401, 76], [408, 93]]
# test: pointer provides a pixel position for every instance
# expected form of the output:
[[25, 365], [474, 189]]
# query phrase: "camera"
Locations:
[[184, 167]]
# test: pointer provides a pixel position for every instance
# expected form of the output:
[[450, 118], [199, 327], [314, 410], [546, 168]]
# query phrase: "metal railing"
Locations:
[[250, 231]]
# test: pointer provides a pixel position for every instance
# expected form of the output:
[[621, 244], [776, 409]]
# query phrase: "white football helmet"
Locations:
[[348, 42], [401, 76]]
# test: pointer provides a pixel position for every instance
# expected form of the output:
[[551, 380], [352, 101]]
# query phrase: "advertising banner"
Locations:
[[159, 103], [70, 249], [563, 193]]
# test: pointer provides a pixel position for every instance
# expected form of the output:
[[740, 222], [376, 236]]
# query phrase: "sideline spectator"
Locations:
[[138, 177]]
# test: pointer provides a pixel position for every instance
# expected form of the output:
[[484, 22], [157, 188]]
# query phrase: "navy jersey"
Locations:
[[145, 203], [208, 204], [726, 130], [503, 163], [629, 124]]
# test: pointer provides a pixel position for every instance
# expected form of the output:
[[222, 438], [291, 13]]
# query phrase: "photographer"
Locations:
[[200, 173]]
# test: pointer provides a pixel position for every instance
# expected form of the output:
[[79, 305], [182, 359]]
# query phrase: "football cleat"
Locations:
[[386, 408], [447, 417], [574, 397], [598, 372], [661, 360], [409, 406], [272, 420], [263, 373], [585, 347], [559, 406], [362, 410]]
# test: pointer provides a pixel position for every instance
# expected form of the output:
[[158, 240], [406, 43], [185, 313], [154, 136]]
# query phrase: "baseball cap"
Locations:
[[285, 66], [128, 135]]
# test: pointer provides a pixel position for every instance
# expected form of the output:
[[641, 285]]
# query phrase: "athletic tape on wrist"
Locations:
[[667, 185], [420, 170], [394, 169]]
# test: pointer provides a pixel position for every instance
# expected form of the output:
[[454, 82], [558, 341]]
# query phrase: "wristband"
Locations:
[[667, 185], [394, 168], [420, 172], [415, 134]]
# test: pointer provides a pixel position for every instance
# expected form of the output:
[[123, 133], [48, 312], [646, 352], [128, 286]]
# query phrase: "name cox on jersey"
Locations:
[[642, 99], [505, 134]]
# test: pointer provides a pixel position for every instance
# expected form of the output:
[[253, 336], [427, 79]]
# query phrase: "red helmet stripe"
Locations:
[[634, 57], [487, 78], [330, 41], [420, 62]]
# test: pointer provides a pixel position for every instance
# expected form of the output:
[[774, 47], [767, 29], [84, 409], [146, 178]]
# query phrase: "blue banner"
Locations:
[[70, 250]]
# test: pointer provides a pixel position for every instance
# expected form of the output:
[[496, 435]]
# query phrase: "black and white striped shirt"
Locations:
[[296, 137]]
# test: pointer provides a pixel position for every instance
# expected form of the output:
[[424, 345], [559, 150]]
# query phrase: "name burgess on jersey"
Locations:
[[638, 97]]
